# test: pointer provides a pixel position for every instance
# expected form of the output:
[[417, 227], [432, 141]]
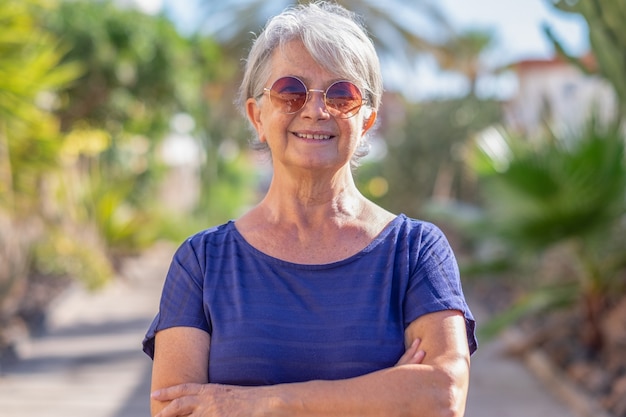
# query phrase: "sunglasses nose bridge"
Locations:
[[313, 90]]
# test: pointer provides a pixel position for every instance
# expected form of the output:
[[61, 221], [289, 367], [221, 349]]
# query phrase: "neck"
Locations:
[[311, 199]]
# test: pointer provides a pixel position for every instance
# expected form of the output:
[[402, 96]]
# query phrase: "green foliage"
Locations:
[[135, 67], [424, 152], [76, 254], [32, 72], [542, 300], [124, 228], [219, 203], [556, 209], [29, 133], [463, 53], [607, 38], [139, 73], [87, 93], [569, 187]]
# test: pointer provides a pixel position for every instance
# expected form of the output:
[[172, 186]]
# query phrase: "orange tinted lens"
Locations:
[[289, 94], [344, 97]]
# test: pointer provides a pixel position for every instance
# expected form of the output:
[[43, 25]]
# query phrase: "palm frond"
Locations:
[[561, 190]]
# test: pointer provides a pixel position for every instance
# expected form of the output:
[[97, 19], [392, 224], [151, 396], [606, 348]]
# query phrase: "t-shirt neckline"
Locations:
[[389, 227]]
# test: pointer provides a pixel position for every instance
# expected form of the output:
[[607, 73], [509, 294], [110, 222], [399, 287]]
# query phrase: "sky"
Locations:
[[517, 25]]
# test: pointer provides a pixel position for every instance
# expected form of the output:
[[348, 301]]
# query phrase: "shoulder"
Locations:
[[422, 242], [419, 231], [215, 235], [195, 248], [418, 225]]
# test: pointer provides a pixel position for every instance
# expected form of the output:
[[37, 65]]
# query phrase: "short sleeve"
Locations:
[[434, 283], [182, 297]]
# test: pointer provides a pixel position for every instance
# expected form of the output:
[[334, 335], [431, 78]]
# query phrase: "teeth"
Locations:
[[315, 137]]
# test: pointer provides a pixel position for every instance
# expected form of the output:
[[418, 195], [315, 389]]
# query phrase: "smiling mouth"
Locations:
[[313, 137]]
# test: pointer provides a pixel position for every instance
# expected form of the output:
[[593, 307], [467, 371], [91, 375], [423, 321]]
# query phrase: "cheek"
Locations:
[[354, 128], [273, 126]]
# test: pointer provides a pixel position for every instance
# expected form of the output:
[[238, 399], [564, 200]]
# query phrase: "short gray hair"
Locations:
[[336, 39]]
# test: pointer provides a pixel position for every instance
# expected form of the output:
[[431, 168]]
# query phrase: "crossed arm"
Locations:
[[431, 379]]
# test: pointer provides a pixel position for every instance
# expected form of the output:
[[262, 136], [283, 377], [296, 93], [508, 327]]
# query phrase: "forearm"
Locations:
[[410, 390], [430, 379], [407, 390]]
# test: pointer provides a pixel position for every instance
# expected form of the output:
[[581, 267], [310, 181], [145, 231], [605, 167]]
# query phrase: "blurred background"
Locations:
[[502, 121]]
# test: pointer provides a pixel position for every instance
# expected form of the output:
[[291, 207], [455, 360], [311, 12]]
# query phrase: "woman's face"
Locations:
[[311, 138]]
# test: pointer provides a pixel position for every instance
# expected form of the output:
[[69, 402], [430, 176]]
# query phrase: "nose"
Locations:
[[315, 105]]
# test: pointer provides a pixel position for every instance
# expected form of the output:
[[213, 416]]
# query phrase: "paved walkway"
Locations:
[[501, 386], [90, 362]]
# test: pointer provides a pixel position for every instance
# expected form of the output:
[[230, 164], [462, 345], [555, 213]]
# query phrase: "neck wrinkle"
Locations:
[[313, 203]]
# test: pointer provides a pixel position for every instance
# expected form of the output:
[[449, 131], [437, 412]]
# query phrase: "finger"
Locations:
[[410, 353], [415, 344], [180, 407], [418, 357], [415, 359], [176, 391]]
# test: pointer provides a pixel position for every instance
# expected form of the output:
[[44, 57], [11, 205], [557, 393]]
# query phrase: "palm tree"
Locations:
[[565, 193], [463, 52], [397, 27]]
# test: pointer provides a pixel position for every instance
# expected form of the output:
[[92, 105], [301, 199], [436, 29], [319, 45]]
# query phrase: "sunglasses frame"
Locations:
[[332, 110]]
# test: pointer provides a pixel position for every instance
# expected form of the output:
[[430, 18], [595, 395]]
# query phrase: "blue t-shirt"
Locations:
[[273, 321]]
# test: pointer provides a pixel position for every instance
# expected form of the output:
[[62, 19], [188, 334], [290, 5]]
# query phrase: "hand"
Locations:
[[412, 356], [204, 400]]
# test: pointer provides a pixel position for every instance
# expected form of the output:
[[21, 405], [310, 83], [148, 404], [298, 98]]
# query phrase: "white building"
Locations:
[[558, 93]]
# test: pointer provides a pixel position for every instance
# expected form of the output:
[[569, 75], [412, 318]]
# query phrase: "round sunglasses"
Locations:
[[343, 99]]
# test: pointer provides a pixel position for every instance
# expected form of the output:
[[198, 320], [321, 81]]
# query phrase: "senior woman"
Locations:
[[316, 302]]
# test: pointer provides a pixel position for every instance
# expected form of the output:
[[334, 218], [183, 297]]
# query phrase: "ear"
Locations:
[[253, 111], [370, 119]]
